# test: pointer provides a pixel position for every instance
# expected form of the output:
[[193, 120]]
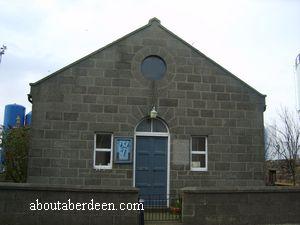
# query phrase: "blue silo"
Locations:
[[12, 114], [28, 119]]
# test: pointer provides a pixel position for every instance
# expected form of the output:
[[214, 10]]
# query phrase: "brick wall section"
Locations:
[[241, 206], [15, 201], [106, 92]]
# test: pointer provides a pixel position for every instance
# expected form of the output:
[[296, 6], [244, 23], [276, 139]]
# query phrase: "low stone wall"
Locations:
[[17, 200], [252, 206]]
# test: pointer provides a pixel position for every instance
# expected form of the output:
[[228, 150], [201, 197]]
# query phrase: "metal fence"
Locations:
[[161, 208]]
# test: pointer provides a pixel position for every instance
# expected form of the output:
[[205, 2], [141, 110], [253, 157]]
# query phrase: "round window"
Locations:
[[153, 67]]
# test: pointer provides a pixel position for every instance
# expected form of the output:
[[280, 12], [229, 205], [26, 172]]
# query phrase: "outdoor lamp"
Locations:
[[153, 113]]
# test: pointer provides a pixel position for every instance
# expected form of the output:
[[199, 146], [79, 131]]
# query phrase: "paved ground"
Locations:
[[162, 223]]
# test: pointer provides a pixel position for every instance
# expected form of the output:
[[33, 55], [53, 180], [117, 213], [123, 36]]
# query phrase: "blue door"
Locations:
[[151, 166]]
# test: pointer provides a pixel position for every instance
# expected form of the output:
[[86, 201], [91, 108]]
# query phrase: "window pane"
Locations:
[[144, 126], [103, 141], [198, 161], [158, 126], [198, 144], [102, 158], [153, 67]]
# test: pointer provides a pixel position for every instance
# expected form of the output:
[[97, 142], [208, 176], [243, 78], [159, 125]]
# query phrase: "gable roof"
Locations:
[[150, 23]]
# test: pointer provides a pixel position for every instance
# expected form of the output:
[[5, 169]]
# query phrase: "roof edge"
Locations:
[[153, 20], [215, 63]]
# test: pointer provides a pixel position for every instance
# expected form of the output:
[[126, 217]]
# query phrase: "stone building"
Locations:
[[148, 110]]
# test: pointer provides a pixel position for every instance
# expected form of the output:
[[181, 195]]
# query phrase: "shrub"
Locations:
[[16, 145]]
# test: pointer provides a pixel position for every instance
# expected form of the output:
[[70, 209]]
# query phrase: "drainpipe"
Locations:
[[29, 97]]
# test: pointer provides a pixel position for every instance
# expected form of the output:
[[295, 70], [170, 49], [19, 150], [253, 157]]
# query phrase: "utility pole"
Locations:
[[2, 50]]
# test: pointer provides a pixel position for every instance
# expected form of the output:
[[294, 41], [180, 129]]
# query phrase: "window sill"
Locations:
[[199, 169], [102, 167]]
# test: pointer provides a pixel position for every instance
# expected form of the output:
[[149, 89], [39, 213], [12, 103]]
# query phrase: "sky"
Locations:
[[257, 40]]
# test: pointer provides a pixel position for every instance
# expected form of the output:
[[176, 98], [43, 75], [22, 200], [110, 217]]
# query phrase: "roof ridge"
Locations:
[[152, 21], [215, 63]]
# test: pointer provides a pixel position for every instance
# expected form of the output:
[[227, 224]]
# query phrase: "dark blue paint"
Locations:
[[151, 165]]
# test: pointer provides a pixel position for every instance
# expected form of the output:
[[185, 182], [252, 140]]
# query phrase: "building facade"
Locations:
[[148, 110]]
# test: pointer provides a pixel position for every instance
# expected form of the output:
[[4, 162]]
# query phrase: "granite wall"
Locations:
[[106, 92], [239, 206], [16, 205]]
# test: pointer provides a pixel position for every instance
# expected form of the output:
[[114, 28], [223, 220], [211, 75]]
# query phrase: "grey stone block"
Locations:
[[193, 95], [217, 88], [229, 123], [155, 42], [222, 166], [209, 79], [95, 90], [245, 106], [110, 109], [207, 113], [123, 65], [65, 172], [199, 121], [53, 134], [89, 98], [185, 86], [51, 153], [70, 154], [75, 181], [60, 125], [104, 118], [223, 97], [168, 102], [92, 181], [136, 101], [53, 115], [79, 107], [74, 144], [119, 100], [208, 96], [79, 125], [111, 91], [194, 78], [95, 108], [199, 104], [40, 162], [71, 116], [59, 163], [192, 112], [121, 82], [102, 82], [228, 105], [245, 140], [77, 163], [79, 89], [50, 172]]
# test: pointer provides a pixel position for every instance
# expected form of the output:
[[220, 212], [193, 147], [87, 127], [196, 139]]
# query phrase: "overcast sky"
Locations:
[[257, 40]]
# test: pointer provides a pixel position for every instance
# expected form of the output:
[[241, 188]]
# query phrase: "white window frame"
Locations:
[[103, 167], [198, 153]]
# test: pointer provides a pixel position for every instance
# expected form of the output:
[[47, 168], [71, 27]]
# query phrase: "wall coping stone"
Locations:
[[219, 190], [71, 188]]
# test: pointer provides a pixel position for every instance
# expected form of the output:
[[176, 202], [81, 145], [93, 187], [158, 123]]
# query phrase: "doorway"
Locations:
[[151, 159]]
